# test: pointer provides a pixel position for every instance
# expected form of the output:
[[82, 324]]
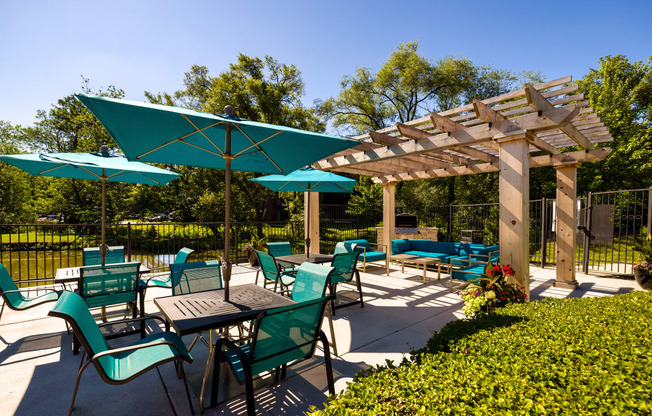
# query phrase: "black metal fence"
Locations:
[[607, 226]]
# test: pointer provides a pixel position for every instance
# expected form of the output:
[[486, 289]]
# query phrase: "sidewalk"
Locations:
[[38, 368]]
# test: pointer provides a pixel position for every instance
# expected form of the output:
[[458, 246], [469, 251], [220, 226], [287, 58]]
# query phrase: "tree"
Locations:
[[16, 188], [261, 90], [620, 91], [409, 85]]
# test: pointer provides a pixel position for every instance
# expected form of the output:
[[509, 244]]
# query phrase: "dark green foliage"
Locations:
[[563, 356]]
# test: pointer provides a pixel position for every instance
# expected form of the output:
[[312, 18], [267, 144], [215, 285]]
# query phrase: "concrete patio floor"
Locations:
[[38, 369]]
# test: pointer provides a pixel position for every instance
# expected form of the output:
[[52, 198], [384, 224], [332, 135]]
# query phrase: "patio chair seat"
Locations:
[[121, 366], [23, 303]]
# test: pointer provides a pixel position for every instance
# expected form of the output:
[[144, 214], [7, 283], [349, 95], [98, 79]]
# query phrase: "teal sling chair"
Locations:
[[119, 365], [281, 336], [15, 299], [161, 279]]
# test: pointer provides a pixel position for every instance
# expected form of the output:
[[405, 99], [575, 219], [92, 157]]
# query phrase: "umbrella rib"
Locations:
[[256, 144], [127, 172], [201, 131], [85, 169], [51, 169], [180, 139]]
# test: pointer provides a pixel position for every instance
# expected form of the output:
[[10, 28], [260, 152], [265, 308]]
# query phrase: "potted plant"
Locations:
[[643, 268], [491, 292], [256, 243]]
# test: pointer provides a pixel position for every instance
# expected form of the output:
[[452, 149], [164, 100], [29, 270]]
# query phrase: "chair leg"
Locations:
[[359, 284], [249, 390], [330, 323], [74, 393], [329, 365], [3, 309], [185, 383], [257, 273], [333, 289]]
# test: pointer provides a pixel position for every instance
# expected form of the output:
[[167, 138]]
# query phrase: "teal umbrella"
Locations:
[[158, 133], [95, 166], [307, 179]]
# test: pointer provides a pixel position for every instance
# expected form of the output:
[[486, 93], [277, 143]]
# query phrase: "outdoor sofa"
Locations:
[[449, 253]]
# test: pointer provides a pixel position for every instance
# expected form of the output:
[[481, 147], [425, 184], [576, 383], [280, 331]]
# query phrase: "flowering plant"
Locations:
[[491, 292]]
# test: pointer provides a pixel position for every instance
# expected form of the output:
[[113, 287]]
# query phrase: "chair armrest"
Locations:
[[232, 346], [140, 318], [471, 262], [27, 289]]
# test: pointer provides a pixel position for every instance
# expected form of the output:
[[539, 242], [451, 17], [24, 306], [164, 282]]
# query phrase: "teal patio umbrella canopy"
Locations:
[[174, 135], [95, 166], [307, 179]]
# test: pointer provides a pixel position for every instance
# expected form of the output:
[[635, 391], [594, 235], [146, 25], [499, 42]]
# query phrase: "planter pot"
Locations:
[[643, 278], [253, 259]]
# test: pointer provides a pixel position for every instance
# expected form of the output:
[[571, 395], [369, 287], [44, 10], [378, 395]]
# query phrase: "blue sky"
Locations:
[[139, 45]]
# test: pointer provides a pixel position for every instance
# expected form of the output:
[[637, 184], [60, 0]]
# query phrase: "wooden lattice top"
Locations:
[[552, 116]]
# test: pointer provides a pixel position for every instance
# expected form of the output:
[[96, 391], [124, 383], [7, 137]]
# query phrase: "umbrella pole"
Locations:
[[227, 211], [103, 245]]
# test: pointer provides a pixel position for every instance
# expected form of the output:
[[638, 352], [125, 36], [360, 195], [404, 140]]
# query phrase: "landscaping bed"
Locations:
[[557, 356]]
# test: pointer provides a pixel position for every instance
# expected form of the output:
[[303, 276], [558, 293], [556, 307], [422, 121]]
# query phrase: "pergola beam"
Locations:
[[541, 104], [570, 158]]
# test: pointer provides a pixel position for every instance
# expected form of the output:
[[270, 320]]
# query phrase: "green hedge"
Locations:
[[562, 356]]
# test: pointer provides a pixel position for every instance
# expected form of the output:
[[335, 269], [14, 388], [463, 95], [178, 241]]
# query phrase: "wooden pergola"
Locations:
[[532, 127]]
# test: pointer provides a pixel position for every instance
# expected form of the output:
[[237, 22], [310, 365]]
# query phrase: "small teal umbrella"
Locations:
[[165, 134], [307, 179], [95, 166]]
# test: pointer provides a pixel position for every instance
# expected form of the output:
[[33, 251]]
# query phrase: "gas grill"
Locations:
[[406, 224]]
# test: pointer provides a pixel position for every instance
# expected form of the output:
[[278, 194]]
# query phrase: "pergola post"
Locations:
[[514, 184], [313, 232], [566, 225], [389, 214]]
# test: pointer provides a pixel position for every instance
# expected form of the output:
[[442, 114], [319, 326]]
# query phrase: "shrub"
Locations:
[[560, 356]]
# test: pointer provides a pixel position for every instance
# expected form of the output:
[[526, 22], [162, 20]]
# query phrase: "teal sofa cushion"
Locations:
[[400, 246], [360, 243]]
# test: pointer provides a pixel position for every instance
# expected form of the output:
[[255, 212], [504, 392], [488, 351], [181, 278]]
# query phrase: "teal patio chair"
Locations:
[[345, 265], [114, 254], [111, 284], [161, 279], [272, 273], [15, 299], [281, 337], [311, 283], [282, 248], [119, 365], [195, 277]]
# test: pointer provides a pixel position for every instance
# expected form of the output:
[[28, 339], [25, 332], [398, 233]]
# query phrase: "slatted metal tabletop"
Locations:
[[302, 258], [201, 311]]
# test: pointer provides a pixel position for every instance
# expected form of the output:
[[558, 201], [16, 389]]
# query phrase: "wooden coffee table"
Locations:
[[417, 261]]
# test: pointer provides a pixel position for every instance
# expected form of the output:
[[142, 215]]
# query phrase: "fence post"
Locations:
[[649, 212], [544, 231], [235, 241], [450, 223], [129, 241], [587, 238], [357, 222]]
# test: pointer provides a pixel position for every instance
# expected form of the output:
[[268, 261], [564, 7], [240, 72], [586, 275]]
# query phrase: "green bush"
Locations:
[[562, 356]]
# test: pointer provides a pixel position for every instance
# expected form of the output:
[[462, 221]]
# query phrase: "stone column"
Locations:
[[566, 226], [514, 183]]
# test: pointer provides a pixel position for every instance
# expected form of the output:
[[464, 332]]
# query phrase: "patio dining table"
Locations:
[[303, 258], [206, 311]]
